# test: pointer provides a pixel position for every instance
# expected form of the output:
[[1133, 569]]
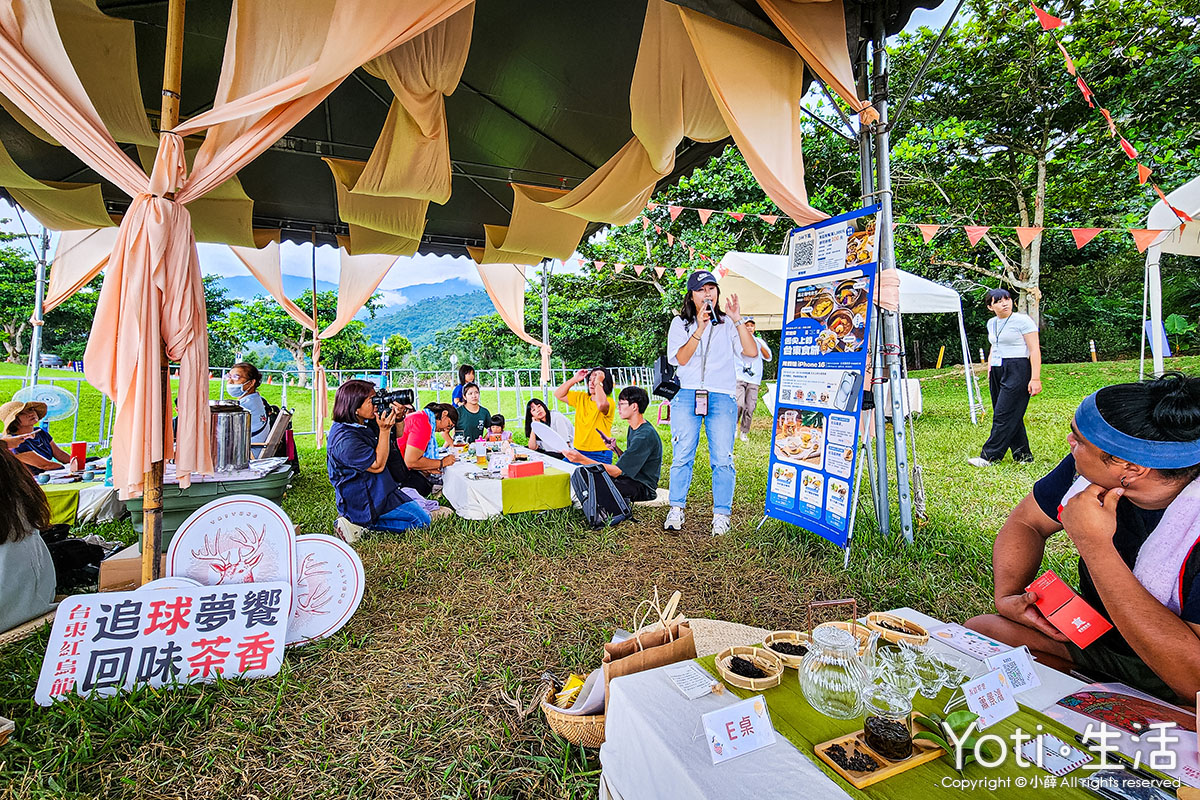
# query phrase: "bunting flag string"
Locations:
[[1049, 23]]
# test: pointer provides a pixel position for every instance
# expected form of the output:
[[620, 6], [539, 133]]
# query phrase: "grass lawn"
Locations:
[[412, 698]]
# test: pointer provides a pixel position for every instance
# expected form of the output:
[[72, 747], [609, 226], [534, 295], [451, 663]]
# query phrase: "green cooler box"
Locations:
[[178, 504]]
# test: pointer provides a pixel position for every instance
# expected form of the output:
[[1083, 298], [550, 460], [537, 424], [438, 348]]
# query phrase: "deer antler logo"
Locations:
[[247, 547], [317, 594]]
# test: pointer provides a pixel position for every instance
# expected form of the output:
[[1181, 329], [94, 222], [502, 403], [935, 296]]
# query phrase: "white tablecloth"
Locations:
[[653, 747], [483, 498]]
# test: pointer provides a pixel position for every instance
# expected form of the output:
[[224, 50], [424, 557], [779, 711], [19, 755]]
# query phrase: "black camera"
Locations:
[[383, 400]]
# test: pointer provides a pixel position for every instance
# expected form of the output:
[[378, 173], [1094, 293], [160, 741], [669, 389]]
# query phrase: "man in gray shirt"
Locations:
[[638, 469]]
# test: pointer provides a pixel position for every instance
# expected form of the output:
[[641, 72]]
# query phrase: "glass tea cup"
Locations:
[[930, 673], [957, 669]]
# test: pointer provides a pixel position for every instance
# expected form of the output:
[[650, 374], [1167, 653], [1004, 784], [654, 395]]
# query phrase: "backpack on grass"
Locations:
[[598, 496]]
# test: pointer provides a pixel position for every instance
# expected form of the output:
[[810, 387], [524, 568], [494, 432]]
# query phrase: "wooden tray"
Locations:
[[914, 633], [923, 752], [6, 728], [767, 660], [795, 637]]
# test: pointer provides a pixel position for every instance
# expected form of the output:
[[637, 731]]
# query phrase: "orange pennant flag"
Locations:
[[1049, 21], [1128, 148], [1183, 216], [645, 223], [1142, 237], [928, 231], [1112, 127], [659, 271], [658, 229], [1144, 172], [670, 240], [1027, 235], [770, 219], [736, 215], [1160, 194], [674, 211], [1067, 58], [651, 206], [691, 251], [976, 232], [1086, 90], [679, 272], [638, 268], [598, 264], [1084, 235], [618, 267], [704, 213]]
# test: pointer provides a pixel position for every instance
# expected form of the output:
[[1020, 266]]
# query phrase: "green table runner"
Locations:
[[551, 489], [63, 499], [805, 727]]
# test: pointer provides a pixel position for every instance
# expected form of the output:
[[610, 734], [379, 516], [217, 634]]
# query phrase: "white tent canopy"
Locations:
[[759, 281], [1184, 242]]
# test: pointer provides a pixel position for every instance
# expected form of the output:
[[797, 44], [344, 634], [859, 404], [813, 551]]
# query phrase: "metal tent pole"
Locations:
[[545, 318], [152, 481], [39, 303], [892, 344]]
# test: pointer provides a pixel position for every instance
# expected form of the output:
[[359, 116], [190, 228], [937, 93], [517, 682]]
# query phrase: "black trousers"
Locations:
[[631, 490], [1009, 387]]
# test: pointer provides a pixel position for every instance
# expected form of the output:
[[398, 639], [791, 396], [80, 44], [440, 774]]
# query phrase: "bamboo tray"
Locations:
[[7, 726], [912, 634], [795, 637], [923, 752], [767, 660]]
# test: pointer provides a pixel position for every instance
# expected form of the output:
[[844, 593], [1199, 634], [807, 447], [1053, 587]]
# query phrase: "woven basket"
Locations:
[[913, 633], [6, 729], [766, 660], [794, 637], [585, 731]]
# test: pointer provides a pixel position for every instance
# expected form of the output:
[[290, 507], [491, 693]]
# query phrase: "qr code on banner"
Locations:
[[1014, 674], [802, 251]]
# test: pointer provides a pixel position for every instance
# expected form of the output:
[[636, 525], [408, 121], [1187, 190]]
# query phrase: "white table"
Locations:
[[653, 747], [483, 498]]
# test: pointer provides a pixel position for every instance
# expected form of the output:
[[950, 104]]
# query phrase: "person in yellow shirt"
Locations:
[[594, 412]]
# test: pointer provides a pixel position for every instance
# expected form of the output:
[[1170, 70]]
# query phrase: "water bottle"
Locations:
[[108, 478]]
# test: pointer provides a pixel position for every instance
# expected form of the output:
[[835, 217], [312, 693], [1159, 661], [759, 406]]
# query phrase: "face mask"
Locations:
[[235, 389]]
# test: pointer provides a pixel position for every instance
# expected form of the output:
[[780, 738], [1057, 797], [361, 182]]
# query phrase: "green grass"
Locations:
[[411, 699]]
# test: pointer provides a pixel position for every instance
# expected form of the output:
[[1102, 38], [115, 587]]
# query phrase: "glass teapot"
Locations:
[[833, 675]]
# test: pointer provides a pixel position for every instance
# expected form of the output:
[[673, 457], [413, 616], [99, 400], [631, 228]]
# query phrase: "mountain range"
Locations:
[[247, 287], [422, 320]]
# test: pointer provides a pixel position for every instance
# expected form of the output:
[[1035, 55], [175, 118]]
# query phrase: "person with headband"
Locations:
[[1127, 495]]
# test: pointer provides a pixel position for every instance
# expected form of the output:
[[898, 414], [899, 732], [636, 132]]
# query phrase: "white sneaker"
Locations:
[[979, 462], [720, 524], [674, 521], [744, 437], [348, 531]]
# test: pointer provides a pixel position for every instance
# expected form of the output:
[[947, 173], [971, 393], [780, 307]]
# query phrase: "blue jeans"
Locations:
[[401, 518], [603, 456], [720, 424]]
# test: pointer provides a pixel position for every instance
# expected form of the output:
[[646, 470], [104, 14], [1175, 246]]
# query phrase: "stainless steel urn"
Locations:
[[230, 437]]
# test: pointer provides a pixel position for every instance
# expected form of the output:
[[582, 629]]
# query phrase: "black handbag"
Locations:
[[666, 383]]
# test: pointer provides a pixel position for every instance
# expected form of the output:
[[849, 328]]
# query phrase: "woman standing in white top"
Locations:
[[1014, 376], [702, 343]]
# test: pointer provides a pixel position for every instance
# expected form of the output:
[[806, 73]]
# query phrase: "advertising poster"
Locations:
[[822, 362]]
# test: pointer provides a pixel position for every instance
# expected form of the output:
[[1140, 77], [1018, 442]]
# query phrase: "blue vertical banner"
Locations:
[[828, 311]]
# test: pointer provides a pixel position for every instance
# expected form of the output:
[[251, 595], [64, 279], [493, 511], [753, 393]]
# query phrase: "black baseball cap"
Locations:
[[700, 278]]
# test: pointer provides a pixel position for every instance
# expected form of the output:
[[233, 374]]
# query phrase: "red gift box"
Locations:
[[524, 469]]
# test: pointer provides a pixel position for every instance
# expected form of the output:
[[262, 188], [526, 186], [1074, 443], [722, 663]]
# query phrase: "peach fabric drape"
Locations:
[[535, 231], [505, 285], [102, 50], [223, 216], [818, 32], [390, 221], [282, 59], [79, 257], [58, 206], [412, 155]]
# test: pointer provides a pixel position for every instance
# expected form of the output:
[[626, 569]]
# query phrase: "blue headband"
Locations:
[[1156, 455]]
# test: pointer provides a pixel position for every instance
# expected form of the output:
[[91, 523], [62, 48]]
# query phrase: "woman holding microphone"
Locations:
[[703, 342]]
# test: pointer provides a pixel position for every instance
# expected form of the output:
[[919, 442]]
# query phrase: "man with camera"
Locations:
[[593, 412]]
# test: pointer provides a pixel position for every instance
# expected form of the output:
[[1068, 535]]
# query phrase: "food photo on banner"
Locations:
[[829, 300]]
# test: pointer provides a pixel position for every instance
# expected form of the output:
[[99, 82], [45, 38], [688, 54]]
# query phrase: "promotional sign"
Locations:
[[329, 586], [112, 642], [1017, 666], [991, 698], [234, 539], [738, 729], [828, 307]]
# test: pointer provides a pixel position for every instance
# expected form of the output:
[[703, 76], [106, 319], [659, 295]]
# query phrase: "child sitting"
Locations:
[[496, 431]]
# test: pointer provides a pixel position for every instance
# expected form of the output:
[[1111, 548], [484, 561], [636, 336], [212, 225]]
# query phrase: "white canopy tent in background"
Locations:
[[1184, 242], [759, 281]]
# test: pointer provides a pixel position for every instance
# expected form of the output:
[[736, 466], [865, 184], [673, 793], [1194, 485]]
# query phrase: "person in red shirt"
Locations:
[[416, 447]]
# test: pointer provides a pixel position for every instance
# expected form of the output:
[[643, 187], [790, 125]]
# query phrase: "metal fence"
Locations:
[[295, 387]]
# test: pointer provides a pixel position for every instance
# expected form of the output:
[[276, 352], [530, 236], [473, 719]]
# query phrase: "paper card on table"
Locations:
[[738, 729], [1017, 667], [968, 641], [1054, 755], [690, 679], [991, 698], [1079, 622], [549, 438]]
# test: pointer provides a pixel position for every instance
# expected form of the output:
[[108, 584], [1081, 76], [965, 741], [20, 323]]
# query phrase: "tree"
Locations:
[[397, 347], [18, 273]]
